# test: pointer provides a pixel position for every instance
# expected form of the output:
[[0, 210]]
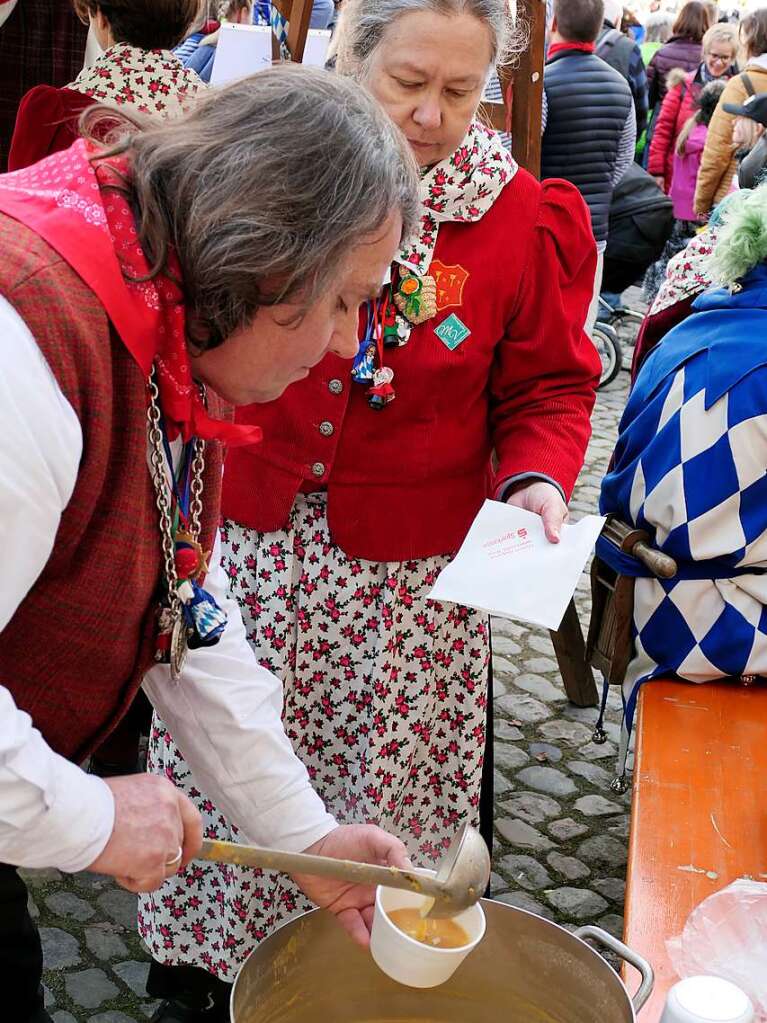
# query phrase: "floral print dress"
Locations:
[[385, 703]]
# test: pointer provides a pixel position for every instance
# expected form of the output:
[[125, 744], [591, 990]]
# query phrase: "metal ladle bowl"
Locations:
[[460, 881]]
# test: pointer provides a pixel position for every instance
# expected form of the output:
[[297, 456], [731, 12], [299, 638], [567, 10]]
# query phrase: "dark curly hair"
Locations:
[[148, 24]]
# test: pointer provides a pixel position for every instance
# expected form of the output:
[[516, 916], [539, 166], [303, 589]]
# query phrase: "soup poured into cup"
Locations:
[[437, 933]]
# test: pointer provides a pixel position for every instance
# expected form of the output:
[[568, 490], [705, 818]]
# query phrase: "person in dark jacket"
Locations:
[[684, 49], [587, 100], [622, 53]]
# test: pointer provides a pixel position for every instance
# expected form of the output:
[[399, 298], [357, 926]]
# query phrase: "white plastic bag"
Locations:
[[726, 936]]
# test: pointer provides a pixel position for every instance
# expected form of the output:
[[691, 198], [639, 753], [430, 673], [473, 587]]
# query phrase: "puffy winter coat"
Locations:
[[679, 105], [719, 164], [677, 52]]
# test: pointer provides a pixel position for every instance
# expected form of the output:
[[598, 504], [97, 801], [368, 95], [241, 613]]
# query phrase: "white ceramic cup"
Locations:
[[707, 1000], [409, 961]]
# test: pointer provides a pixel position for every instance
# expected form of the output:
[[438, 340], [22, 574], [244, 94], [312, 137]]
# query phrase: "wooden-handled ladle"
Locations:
[[461, 878]]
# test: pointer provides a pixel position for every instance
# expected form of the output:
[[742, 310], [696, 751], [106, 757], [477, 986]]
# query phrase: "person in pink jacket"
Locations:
[[687, 156], [688, 153], [720, 46]]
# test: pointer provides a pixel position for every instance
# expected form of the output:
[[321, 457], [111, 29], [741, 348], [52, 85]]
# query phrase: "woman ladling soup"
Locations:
[[368, 480]]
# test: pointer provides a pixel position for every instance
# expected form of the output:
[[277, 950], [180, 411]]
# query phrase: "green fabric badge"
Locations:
[[452, 332]]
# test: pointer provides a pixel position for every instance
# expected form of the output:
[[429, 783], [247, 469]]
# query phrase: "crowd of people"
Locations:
[[232, 468]]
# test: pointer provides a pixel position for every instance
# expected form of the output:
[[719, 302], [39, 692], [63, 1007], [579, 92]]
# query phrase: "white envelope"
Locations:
[[508, 568]]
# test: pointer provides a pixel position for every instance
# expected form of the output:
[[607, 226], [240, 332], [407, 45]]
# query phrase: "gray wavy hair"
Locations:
[[364, 22], [263, 189]]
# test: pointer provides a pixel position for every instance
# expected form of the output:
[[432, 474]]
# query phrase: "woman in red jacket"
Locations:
[[720, 48], [370, 476]]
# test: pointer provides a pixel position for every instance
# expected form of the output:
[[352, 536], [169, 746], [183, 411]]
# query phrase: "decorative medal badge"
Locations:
[[416, 298]]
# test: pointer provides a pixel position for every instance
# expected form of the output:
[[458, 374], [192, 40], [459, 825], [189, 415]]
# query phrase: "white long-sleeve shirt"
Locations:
[[224, 713]]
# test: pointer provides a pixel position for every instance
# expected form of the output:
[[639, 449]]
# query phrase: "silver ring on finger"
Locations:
[[173, 863]]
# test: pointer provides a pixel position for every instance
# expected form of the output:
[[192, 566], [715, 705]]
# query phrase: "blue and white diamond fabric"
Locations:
[[691, 469]]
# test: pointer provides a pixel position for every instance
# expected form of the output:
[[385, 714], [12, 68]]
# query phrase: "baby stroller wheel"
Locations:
[[610, 352]]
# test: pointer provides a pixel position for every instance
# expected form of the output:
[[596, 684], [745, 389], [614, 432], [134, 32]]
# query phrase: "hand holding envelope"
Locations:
[[507, 567]]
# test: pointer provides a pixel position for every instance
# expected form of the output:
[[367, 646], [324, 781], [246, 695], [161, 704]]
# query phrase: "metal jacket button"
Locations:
[[318, 469], [336, 387], [327, 429]]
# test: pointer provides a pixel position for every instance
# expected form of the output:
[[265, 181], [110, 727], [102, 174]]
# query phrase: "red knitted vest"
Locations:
[[79, 644]]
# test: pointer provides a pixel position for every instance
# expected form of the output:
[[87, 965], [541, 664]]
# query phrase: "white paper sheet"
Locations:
[[508, 568], [317, 46], [241, 51]]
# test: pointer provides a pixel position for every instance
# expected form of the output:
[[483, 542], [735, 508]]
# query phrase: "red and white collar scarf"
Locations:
[[150, 81], [460, 189], [61, 199]]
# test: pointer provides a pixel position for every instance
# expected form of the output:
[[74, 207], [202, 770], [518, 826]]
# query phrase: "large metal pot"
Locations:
[[526, 970]]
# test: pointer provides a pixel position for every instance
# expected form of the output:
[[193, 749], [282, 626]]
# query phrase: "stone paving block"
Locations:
[[613, 888], [566, 829], [524, 708], [522, 835], [49, 999], [613, 924], [133, 974], [578, 903], [90, 988], [596, 751], [34, 877], [533, 807], [505, 645], [121, 906], [34, 912], [510, 757], [592, 773], [526, 872], [501, 783], [499, 686], [63, 1017], [521, 900], [61, 950], [548, 780], [503, 729], [545, 752], [503, 666], [68, 904], [584, 715], [604, 849], [620, 826], [103, 942], [497, 884], [568, 866], [596, 806], [541, 643], [540, 664], [570, 732], [539, 687], [505, 627], [113, 1016]]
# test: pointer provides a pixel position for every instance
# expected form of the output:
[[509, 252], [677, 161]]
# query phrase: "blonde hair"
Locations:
[[724, 33]]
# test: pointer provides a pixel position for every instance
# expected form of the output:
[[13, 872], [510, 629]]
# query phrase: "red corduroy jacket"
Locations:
[[405, 482]]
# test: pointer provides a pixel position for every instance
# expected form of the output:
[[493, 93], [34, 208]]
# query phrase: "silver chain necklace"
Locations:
[[172, 625]]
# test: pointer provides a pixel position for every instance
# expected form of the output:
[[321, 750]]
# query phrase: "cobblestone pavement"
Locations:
[[561, 833]]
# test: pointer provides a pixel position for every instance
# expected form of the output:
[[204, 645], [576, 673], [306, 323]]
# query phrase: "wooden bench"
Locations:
[[698, 816]]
